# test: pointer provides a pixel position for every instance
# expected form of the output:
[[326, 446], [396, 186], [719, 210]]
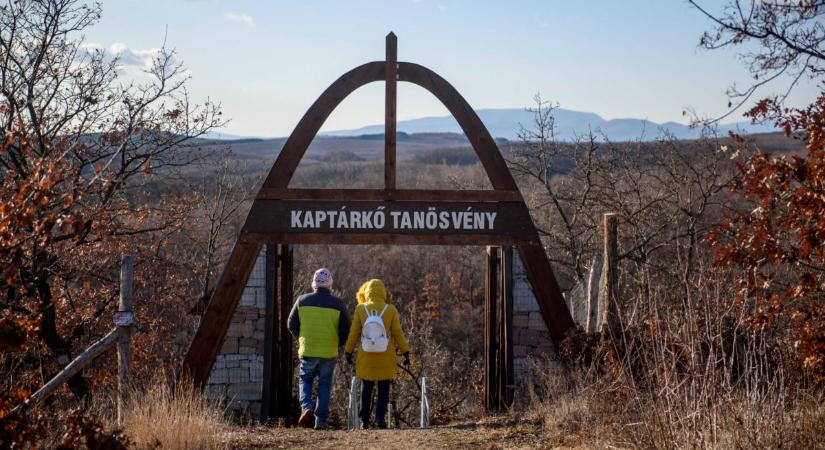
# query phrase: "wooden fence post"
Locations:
[[608, 294], [124, 320], [592, 295]]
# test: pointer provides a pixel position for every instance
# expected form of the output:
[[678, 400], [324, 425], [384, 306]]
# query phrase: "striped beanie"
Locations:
[[322, 278]]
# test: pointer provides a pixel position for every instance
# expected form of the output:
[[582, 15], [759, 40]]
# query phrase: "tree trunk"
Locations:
[[60, 348]]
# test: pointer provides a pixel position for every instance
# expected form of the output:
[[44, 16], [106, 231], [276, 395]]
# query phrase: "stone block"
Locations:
[[218, 376], [520, 320], [519, 350], [245, 391], [536, 322], [230, 345], [247, 329], [215, 391], [238, 375], [234, 329], [247, 350]]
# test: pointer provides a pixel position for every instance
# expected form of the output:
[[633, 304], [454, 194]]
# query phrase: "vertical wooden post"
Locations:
[[608, 290], [389, 111], [124, 332], [285, 362], [507, 378], [271, 348], [592, 295], [491, 398]]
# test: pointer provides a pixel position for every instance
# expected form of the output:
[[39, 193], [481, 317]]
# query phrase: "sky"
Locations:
[[266, 61]]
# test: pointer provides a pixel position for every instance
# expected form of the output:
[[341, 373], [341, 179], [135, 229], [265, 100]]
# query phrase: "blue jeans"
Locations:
[[323, 368]]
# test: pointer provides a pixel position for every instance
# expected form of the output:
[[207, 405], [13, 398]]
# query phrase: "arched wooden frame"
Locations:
[[257, 230]]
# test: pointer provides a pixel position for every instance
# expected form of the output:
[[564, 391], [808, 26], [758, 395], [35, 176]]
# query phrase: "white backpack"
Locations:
[[373, 334]]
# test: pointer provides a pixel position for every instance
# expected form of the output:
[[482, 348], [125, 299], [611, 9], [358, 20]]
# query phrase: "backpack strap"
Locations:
[[382, 311]]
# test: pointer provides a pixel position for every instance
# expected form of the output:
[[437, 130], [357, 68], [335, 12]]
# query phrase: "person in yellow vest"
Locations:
[[319, 321], [372, 365]]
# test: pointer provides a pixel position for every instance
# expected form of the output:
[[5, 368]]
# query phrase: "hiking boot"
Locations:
[[321, 426], [306, 419], [381, 425], [364, 425]]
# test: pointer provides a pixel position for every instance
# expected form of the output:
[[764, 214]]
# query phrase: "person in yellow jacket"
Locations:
[[376, 368]]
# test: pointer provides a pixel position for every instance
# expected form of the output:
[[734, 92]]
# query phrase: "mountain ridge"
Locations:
[[505, 123]]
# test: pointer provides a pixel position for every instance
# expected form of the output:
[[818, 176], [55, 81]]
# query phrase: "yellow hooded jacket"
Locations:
[[376, 366]]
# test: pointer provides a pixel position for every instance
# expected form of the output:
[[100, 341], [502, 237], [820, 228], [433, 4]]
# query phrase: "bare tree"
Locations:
[[74, 107], [541, 159], [789, 37]]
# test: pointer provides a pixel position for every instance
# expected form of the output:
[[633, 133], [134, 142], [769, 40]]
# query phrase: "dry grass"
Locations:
[[178, 420], [689, 377]]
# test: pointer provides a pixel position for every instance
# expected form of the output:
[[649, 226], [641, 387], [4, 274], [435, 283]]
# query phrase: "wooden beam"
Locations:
[[422, 195], [272, 354], [75, 366], [383, 239], [197, 364], [285, 300], [507, 376], [298, 142], [390, 99], [473, 128], [491, 397]]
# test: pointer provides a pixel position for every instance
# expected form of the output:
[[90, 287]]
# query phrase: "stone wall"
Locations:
[[237, 375], [531, 338]]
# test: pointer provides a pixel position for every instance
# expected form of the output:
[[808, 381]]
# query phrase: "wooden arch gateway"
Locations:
[[390, 216]]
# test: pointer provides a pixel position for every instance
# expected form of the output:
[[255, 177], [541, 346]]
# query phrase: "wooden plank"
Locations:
[[124, 335], [398, 218], [608, 295], [75, 366], [473, 128], [491, 398], [272, 354], [383, 239], [285, 373], [390, 98], [551, 303], [421, 195], [298, 142], [508, 377], [207, 341]]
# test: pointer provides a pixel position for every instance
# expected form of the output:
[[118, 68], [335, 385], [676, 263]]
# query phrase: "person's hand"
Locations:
[[349, 358], [406, 359]]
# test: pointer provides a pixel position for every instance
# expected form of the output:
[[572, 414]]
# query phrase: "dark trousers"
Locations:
[[381, 404]]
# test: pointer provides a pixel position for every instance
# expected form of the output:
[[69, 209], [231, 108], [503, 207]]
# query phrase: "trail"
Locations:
[[470, 435]]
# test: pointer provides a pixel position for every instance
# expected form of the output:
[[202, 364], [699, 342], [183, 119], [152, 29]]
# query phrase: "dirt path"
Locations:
[[471, 435]]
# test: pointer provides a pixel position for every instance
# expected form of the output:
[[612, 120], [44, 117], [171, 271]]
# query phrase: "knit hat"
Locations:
[[322, 278]]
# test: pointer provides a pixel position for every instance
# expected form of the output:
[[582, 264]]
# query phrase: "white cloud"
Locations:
[[441, 7], [129, 58], [243, 18]]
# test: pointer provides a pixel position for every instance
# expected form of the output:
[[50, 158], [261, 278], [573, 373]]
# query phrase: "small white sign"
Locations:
[[123, 318]]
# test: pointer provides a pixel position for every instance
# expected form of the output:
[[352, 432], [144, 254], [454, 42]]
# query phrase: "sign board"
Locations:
[[123, 318], [382, 217]]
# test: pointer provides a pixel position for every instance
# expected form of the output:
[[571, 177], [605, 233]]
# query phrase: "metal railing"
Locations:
[[353, 420], [425, 404]]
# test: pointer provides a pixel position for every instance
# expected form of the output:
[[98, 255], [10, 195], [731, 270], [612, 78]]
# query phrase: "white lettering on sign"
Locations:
[[431, 219]]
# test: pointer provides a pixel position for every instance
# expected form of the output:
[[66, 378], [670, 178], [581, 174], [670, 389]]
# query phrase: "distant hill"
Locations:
[[340, 148], [504, 123]]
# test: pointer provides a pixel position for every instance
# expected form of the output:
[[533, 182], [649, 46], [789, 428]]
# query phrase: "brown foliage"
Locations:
[[779, 246]]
